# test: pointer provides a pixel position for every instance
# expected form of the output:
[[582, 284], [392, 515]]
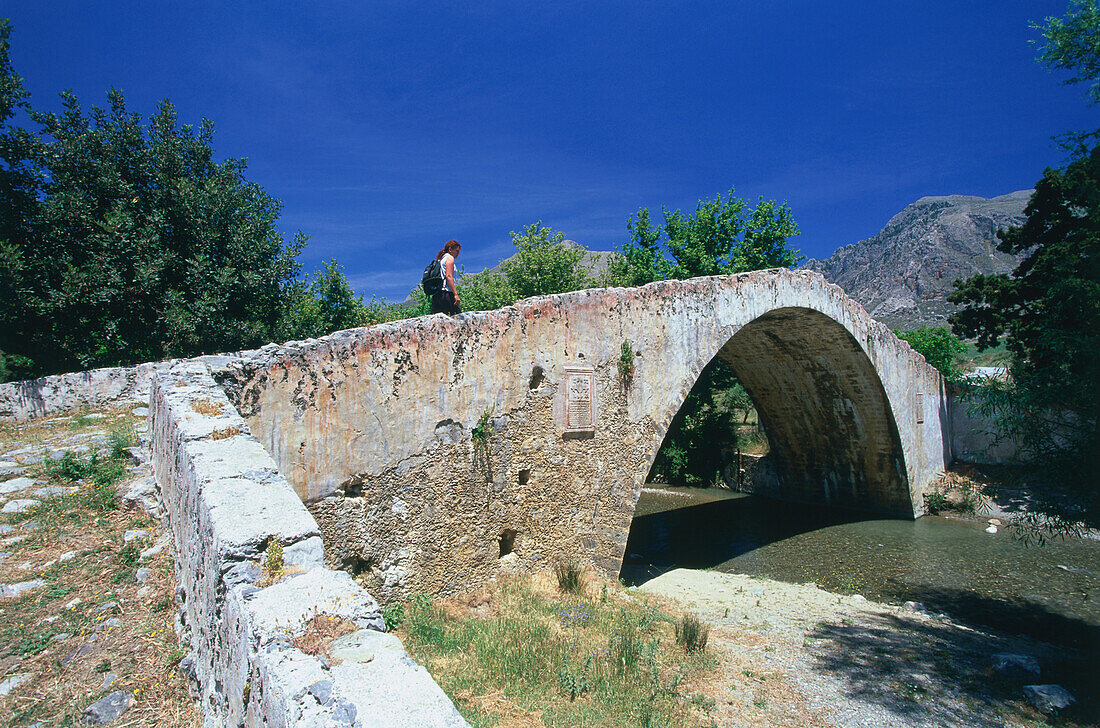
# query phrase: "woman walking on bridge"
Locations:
[[446, 301]]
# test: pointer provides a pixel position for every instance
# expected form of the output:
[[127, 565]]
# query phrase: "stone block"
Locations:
[[1049, 698]]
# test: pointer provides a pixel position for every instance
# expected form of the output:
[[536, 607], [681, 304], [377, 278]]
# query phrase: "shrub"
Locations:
[[71, 467], [393, 615], [938, 346], [120, 440], [273, 563], [935, 501], [692, 633], [574, 682], [569, 577], [626, 361], [483, 430]]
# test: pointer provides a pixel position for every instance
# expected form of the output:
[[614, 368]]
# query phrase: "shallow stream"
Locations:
[[950, 565]]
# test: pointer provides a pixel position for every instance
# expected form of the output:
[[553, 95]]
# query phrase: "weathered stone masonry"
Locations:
[[372, 430], [226, 503], [373, 427]]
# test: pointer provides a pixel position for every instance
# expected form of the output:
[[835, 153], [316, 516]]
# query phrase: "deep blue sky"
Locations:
[[387, 128]]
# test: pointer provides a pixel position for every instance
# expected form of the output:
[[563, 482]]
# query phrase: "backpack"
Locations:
[[432, 280]]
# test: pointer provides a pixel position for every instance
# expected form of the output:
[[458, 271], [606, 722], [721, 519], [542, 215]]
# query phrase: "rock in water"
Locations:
[[109, 708], [1048, 698]]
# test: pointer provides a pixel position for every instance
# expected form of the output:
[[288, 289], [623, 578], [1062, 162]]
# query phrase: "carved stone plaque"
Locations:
[[580, 399]]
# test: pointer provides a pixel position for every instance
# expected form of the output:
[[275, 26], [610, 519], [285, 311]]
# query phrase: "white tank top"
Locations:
[[443, 268]]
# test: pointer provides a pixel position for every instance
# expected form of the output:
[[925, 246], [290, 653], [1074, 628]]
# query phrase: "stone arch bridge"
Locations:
[[378, 429]]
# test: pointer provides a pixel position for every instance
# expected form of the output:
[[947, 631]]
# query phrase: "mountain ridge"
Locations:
[[903, 273]]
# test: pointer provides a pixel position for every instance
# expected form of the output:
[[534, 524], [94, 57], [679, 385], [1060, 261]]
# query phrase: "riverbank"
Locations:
[[797, 655]]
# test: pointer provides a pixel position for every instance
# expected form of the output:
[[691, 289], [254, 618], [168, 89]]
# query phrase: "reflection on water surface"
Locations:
[[1050, 591]]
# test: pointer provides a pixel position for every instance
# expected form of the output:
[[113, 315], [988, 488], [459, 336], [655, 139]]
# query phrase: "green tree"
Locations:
[[1048, 310], [137, 245], [326, 303], [19, 187], [1072, 44], [735, 399], [485, 290], [643, 259], [692, 451], [543, 264], [938, 346], [720, 237]]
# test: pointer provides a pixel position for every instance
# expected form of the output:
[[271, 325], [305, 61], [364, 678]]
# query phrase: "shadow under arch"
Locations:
[[830, 426]]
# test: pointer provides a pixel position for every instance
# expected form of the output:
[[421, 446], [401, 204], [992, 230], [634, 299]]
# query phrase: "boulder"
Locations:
[[19, 505], [14, 590], [107, 709], [12, 682], [1048, 698], [1016, 667], [16, 484]]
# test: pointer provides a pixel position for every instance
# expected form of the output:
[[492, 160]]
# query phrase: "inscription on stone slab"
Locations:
[[580, 399]]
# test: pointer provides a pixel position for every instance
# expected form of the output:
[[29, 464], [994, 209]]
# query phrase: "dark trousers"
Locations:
[[444, 302]]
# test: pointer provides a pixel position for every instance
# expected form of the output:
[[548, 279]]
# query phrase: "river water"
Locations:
[[1051, 592]]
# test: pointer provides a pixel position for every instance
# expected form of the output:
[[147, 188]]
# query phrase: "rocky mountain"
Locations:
[[903, 274]]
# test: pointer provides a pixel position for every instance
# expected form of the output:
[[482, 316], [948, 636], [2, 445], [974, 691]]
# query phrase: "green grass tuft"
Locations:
[[692, 634], [570, 577]]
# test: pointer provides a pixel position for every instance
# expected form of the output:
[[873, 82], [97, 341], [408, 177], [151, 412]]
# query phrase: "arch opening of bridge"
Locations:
[[832, 435], [375, 427]]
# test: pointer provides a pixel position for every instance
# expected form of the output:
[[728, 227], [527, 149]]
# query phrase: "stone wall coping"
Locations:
[[227, 503]]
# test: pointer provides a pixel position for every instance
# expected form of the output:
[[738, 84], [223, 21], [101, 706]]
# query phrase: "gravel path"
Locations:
[[796, 655]]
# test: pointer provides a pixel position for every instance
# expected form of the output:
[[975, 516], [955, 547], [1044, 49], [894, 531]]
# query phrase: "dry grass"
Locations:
[[521, 653], [321, 630], [498, 706], [54, 429], [224, 433], [206, 407], [45, 632]]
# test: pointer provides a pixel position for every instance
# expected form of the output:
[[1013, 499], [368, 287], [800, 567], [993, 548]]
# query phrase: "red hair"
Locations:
[[451, 246]]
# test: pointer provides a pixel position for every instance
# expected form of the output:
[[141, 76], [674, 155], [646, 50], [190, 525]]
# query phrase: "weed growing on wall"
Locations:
[[273, 561], [626, 361], [483, 430]]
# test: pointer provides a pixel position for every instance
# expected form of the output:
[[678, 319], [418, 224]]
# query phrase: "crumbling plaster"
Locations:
[[372, 427]]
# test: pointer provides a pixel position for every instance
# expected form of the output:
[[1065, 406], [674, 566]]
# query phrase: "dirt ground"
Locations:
[[795, 655], [96, 620]]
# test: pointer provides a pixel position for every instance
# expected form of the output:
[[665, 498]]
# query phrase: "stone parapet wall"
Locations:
[[375, 427], [227, 504], [95, 389], [973, 435]]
